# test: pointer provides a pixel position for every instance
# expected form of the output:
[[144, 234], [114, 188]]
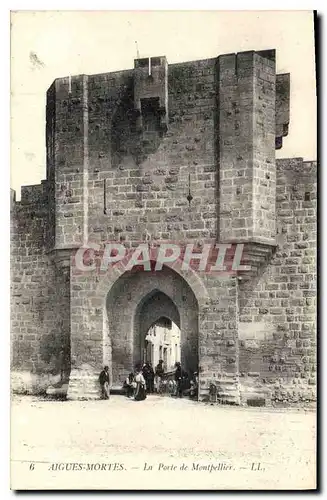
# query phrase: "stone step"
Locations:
[[227, 390], [227, 394]]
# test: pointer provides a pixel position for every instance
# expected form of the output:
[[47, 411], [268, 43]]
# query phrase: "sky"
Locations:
[[50, 44]]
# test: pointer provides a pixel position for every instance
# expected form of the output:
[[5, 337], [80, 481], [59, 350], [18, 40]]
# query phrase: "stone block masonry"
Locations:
[[179, 153], [40, 313], [277, 312], [247, 95]]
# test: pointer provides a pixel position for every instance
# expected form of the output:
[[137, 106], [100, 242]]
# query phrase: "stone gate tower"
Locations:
[[182, 152]]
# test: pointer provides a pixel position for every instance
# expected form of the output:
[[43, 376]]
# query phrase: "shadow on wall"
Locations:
[[54, 356]]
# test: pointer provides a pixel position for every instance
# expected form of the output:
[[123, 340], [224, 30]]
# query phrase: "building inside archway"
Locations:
[[163, 341]]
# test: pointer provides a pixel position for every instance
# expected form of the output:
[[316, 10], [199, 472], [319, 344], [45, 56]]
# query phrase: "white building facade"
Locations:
[[163, 341]]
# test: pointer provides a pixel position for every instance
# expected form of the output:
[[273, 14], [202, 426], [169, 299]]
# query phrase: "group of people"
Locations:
[[145, 381], [184, 385], [135, 385]]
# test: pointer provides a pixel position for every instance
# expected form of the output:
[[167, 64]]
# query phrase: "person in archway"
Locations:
[[194, 386], [105, 383], [140, 391], [151, 378], [148, 374], [181, 379], [160, 371]]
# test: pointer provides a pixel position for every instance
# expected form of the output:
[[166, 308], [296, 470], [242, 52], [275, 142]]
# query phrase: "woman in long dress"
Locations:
[[140, 391]]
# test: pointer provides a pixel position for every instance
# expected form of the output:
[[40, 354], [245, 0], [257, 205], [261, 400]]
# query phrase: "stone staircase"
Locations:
[[228, 390], [222, 390]]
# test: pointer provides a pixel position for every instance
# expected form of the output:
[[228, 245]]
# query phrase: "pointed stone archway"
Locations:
[[104, 314], [134, 303], [151, 309]]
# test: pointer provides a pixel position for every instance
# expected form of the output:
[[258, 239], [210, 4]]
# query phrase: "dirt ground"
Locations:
[[160, 443]]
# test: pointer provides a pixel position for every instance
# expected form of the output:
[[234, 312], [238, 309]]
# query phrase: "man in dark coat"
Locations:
[[148, 374], [104, 383], [181, 377]]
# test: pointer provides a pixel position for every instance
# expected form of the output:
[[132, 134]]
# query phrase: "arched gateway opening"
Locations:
[[163, 342], [154, 332], [140, 300]]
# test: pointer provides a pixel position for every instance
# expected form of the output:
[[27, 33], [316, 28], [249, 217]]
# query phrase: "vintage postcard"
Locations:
[[163, 250]]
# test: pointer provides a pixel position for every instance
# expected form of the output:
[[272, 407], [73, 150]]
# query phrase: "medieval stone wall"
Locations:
[[141, 184], [40, 320], [246, 93], [277, 313], [115, 175]]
